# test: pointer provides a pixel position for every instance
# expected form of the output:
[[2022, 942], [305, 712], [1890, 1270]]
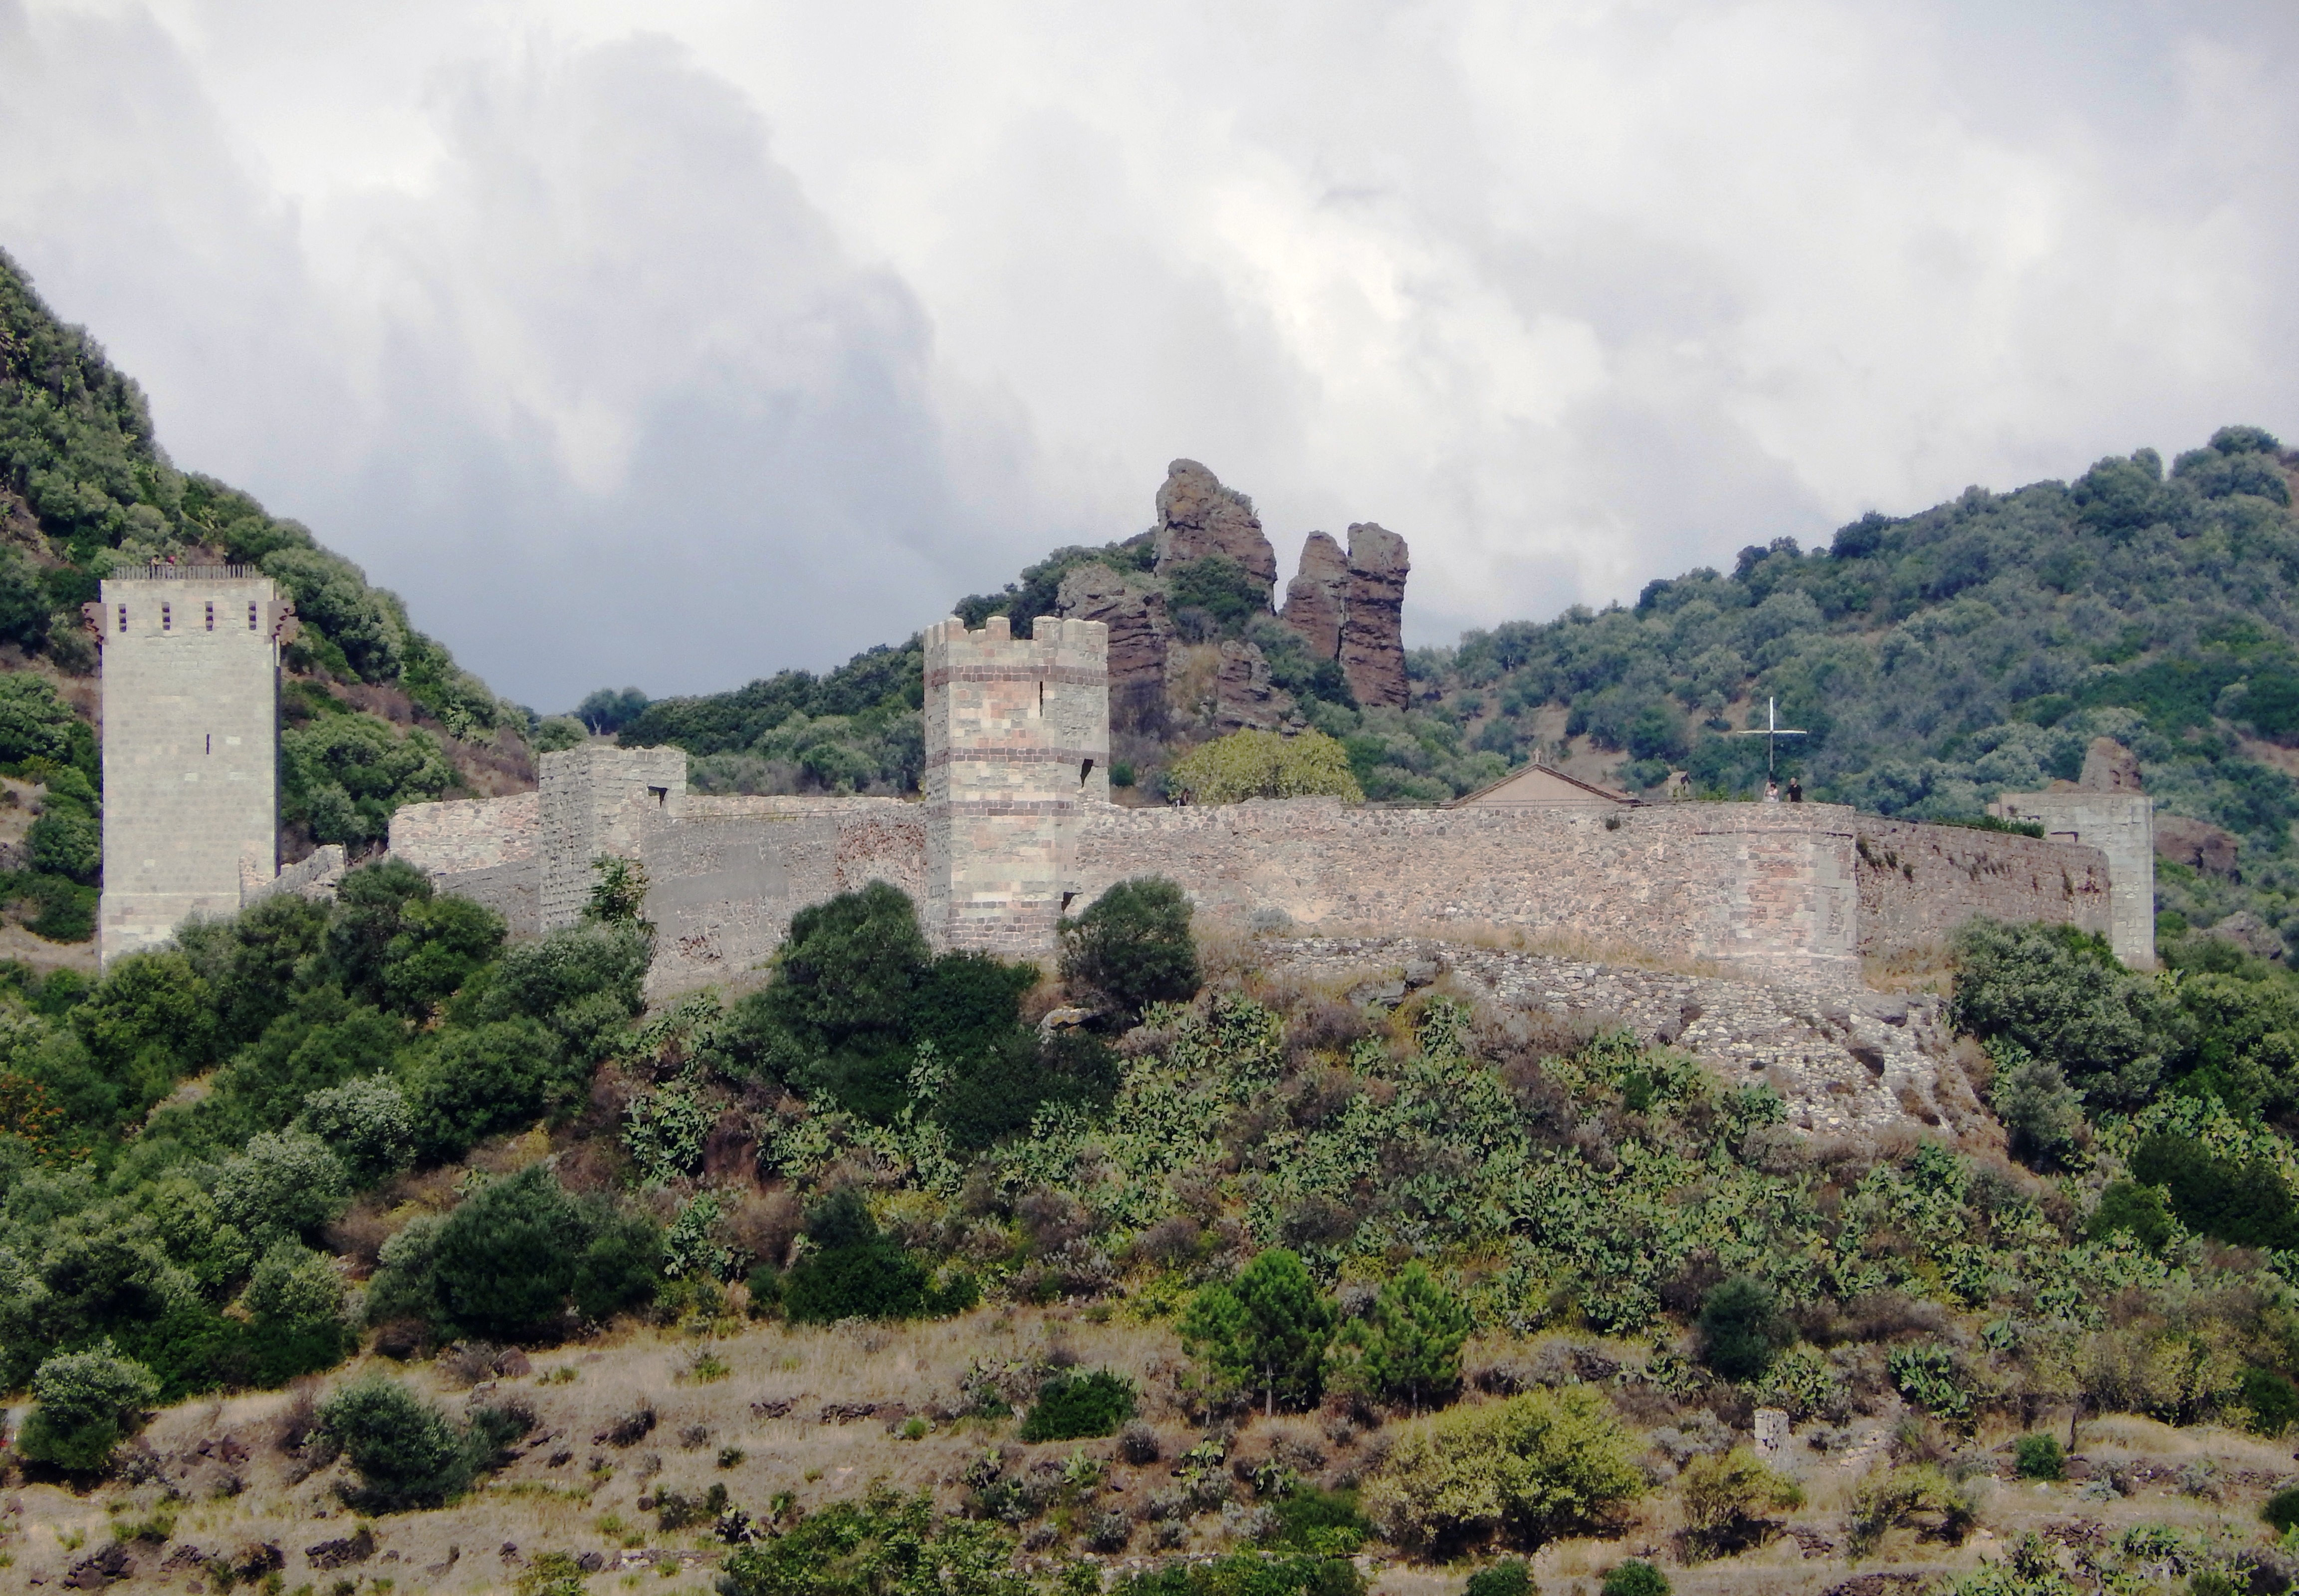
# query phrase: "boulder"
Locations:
[[1317, 599], [1197, 517], [1372, 637], [2196, 843], [1132, 607], [2248, 932], [2109, 767]]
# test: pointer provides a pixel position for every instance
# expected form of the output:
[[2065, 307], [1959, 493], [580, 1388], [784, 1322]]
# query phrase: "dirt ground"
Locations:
[[823, 1413]]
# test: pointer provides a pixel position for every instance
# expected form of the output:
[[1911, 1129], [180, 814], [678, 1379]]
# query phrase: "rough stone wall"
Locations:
[[2121, 825], [593, 801], [1919, 882], [467, 833], [1754, 885], [1017, 741], [191, 747]]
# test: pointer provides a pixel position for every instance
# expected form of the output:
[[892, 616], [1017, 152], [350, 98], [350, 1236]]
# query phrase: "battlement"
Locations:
[[1018, 747]]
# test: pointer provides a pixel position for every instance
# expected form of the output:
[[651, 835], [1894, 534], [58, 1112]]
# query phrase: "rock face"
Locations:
[[2248, 932], [2109, 767], [1133, 608], [1373, 639], [1318, 599], [1243, 694], [1197, 517], [2196, 843]]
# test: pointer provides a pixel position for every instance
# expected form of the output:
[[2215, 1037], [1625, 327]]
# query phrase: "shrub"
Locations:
[[1408, 1348], [1916, 1494], [1635, 1578], [1742, 1328], [1325, 1522], [35, 721], [1079, 1407], [85, 1404], [368, 1124], [2135, 1209], [855, 1272], [406, 1452], [295, 1288], [2272, 1400], [838, 1016], [2059, 993], [285, 1184], [66, 840], [1247, 1574], [885, 1543], [1267, 1331], [1264, 764], [2282, 1510], [1725, 1499], [1133, 945], [476, 1082], [2038, 1458], [2043, 1114], [2242, 1202], [1521, 1470], [1511, 1577], [517, 1255]]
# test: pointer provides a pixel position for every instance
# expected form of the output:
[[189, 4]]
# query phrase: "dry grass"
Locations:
[[1929, 967]]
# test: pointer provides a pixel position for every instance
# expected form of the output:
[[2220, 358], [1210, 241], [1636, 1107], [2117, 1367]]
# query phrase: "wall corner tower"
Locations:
[[191, 746], [1017, 749]]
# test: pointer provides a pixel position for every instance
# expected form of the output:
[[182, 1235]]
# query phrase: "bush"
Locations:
[[1133, 945], [2282, 1510], [1742, 1328], [1536, 1466], [1635, 1578], [1725, 1499], [1325, 1522], [855, 1272], [1917, 1495], [1511, 1577], [2038, 1458], [85, 1404], [368, 1124], [1267, 1331], [838, 1018], [296, 1289], [2272, 1400], [1079, 1407], [2135, 1209], [2043, 1114], [35, 722], [1264, 764], [885, 1543], [2059, 993], [66, 840], [1247, 1574], [489, 1079], [288, 1184], [406, 1452], [2242, 1202]]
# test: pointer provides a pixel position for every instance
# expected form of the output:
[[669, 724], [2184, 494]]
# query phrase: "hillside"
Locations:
[[377, 713]]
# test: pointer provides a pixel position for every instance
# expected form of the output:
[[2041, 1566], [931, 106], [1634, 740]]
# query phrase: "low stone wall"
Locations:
[[466, 834], [1919, 882]]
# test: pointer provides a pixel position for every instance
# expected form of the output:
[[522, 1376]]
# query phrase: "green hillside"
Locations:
[[377, 713]]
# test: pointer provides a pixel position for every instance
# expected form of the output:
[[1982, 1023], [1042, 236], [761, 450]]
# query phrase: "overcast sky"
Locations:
[[672, 344]]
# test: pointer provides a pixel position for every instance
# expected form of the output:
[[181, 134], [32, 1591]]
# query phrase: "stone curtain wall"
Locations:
[[484, 849], [1750, 883], [1919, 882], [1017, 749], [597, 800]]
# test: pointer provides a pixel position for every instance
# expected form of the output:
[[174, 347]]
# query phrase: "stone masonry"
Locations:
[[191, 743], [2121, 824], [1018, 750]]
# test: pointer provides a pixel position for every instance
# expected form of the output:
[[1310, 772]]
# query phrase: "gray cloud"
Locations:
[[679, 345]]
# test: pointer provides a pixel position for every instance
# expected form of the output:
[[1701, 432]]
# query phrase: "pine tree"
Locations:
[[1267, 1331], [1409, 1348]]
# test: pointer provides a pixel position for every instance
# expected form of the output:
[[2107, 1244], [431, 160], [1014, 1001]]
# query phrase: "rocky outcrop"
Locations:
[[1318, 599], [2109, 767], [1372, 637], [1197, 517], [1132, 607], [1243, 694], [2198, 844], [2248, 932]]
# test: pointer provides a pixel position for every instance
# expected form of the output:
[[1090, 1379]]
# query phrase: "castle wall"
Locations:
[[1749, 884], [191, 744], [597, 801], [2120, 825]]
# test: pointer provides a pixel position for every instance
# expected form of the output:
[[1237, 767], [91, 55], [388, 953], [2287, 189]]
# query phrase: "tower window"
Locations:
[[123, 618], [167, 618], [1085, 773], [210, 615], [251, 615]]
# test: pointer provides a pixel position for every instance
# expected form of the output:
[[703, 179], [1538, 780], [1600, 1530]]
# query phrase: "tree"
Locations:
[[407, 1453], [474, 1083], [66, 840], [854, 1271], [1725, 1496], [1266, 1331], [839, 1016], [368, 1124], [618, 890], [1408, 1347], [1543, 1464], [515, 1257], [1742, 1328], [1133, 945], [287, 1184], [35, 723], [1264, 764], [85, 1404]]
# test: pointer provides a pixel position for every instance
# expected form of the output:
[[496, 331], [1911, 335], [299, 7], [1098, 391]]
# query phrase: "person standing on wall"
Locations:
[[1796, 790]]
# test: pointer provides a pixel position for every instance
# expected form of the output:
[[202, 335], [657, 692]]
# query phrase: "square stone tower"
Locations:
[[191, 746], [598, 799], [1017, 744]]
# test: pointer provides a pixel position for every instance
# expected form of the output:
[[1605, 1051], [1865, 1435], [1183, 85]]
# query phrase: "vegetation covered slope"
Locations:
[[377, 713]]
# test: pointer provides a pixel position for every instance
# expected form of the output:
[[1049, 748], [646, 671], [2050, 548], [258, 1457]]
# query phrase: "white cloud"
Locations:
[[674, 343]]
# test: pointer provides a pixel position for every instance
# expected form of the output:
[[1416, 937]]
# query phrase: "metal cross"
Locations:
[[1770, 731]]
